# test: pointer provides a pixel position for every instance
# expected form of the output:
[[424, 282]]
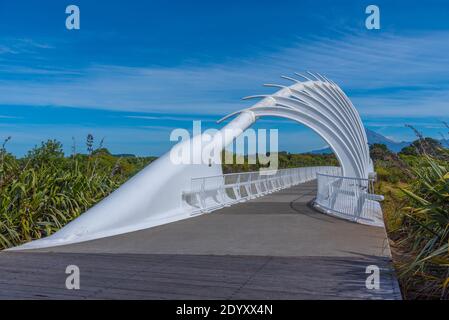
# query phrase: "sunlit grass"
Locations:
[[417, 219], [45, 190]]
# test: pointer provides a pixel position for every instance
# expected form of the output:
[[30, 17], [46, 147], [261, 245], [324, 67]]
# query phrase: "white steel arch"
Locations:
[[154, 196], [321, 105]]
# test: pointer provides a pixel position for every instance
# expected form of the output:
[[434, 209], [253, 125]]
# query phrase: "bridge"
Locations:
[[188, 231], [272, 247]]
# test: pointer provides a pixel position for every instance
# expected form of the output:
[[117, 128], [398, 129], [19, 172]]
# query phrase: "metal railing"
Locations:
[[211, 193], [349, 198]]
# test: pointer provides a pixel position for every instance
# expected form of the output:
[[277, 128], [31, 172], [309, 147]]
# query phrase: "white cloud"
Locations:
[[8, 117], [22, 45], [163, 117], [372, 69]]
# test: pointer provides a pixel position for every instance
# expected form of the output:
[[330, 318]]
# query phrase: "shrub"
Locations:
[[426, 229], [45, 190]]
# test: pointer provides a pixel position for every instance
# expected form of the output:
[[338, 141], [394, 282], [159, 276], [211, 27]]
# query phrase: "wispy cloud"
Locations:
[[21, 45], [5, 49], [383, 74], [32, 71], [164, 118], [8, 117]]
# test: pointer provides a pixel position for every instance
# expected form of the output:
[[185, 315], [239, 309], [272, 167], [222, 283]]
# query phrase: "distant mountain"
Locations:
[[321, 151], [124, 155], [373, 137]]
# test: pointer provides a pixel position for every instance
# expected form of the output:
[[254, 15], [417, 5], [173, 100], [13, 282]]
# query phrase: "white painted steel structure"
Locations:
[[157, 194], [349, 198], [321, 105], [211, 193]]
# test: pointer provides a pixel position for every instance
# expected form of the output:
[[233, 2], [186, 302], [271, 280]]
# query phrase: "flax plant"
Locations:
[[45, 190]]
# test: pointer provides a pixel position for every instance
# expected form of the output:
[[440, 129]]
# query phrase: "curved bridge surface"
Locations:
[[155, 196], [272, 247]]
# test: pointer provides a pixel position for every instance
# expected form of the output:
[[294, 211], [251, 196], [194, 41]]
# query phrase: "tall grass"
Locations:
[[416, 210], [415, 183], [425, 229], [43, 191]]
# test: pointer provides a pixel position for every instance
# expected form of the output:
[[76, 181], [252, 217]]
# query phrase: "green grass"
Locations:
[[43, 191], [416, 212]]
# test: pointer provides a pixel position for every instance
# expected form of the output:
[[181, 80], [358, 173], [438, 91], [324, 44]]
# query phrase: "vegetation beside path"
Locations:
[[415, 183]]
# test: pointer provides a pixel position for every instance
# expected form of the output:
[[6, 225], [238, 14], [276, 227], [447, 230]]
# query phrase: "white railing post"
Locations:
[[202, 194], [239, 194], [348, 198]]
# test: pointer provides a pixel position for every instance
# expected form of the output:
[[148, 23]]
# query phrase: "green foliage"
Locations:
[[285, 160], [48, 152], [409, 151], [388, 165], [379, 151], [416, 211], [391, 174], [426, 145], [425, 228], [45, 190], [289, 160]]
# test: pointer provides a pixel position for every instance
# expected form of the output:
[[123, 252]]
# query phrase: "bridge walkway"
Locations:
[[273, 247]]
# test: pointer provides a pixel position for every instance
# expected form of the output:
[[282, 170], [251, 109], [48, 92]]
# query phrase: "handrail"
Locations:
[[243, 173], [349, 198], [213, 192], [349, 178]]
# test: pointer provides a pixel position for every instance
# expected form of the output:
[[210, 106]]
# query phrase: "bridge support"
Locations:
[[156, 195]]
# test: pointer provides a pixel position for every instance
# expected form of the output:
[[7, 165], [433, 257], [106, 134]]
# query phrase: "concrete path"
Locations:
[[274, 247]]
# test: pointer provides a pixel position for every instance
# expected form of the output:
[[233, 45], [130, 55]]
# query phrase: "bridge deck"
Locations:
[[274, 247]]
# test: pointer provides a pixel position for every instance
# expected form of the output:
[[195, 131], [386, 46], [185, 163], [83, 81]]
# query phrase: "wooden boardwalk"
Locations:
[[274, 247]]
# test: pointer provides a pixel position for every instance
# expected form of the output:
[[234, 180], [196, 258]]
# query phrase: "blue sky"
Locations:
[[138, 69]]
